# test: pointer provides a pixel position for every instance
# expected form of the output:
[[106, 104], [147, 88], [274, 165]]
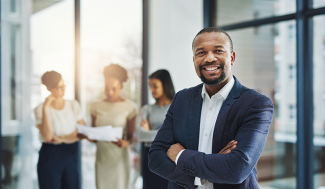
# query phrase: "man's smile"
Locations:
[[212, 69]]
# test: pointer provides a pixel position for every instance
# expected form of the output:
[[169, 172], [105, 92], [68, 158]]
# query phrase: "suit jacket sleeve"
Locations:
[[159, 162], [233, 168]]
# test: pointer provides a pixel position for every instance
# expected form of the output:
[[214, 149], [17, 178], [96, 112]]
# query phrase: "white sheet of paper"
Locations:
[[105, 133]]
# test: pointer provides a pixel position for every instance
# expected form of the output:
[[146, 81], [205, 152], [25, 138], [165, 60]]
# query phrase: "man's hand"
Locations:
[[174, 150], [229, 148]]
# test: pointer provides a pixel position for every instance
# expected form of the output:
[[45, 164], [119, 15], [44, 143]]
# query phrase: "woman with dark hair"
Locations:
[[112, 158], [149, 121], [56, 119]]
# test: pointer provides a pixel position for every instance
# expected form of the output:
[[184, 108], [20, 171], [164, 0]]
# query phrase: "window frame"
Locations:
[[304, 74]]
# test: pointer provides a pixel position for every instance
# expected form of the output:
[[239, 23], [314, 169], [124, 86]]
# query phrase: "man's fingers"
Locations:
[[233, 147], [232, 143], [230, 146]]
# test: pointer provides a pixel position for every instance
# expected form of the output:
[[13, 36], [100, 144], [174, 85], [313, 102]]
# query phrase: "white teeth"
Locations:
[[211, 69]]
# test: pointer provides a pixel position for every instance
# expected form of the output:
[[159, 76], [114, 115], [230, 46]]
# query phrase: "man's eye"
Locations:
[[220, 51], [200, 53]]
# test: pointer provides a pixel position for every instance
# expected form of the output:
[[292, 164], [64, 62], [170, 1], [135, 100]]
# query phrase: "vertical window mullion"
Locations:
[[304, 97], [209, 13], [145, 52]]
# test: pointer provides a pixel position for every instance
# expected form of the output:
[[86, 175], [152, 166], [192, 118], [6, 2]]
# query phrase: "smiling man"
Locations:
[[214, 133]]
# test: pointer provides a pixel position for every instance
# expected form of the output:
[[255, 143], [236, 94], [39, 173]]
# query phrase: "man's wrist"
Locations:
[[178, 155]]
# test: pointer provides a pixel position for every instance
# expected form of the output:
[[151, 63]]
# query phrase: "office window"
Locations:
[[13, 6], [292, 112], [324, 73], [292, 72], [276, 68], [292, 32], [318, 3], [319, 101], [324, 112], [262, 64], [120, 46], [236, 11], [13, 72]]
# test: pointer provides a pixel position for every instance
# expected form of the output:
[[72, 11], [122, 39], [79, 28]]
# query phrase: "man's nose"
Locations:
[[211, 57]]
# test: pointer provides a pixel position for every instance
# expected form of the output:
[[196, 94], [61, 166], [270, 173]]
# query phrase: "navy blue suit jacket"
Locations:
[[245, 116]]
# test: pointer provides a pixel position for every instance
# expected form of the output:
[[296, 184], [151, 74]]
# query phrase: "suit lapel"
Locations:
[[222, 117], [195, 118], [220, 125]]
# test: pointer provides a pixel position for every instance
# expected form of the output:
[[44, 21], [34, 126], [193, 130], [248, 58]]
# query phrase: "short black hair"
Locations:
[[166, 80], [216, 30], [116, 71], [51, 79]]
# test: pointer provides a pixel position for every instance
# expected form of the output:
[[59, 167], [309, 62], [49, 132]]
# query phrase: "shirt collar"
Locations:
[[224, 92]]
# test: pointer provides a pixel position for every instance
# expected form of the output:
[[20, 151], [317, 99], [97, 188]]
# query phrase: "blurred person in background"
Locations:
[[112, 158], [56, 119], [149, 121]]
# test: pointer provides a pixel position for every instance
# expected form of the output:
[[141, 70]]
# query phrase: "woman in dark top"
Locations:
[[149, 121]]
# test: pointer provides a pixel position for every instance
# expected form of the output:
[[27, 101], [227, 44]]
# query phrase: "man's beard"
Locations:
[[215, 81]]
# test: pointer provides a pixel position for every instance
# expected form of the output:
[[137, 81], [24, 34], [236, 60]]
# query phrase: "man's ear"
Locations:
[[233, 57]]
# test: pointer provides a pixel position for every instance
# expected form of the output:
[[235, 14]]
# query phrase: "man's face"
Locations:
[[213, 58]]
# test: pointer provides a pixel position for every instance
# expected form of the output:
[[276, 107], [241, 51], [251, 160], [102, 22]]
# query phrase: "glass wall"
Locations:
[[319, 100], [109, 35], [236, 11], [318, 3], [265, 61], [52, 48], [16, 150], [39, 36]]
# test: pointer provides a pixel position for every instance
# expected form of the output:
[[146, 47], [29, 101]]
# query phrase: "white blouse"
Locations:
[[63, 121]]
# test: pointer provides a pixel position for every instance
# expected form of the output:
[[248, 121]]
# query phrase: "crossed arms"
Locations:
[[232, 168]]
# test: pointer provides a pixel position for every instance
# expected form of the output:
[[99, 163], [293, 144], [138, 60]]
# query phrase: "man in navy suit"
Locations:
[[207, 118]]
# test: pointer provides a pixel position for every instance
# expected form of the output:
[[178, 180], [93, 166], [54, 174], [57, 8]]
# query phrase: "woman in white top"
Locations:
[[56, 119]]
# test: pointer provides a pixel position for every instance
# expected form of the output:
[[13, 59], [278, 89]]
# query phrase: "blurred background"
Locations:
[[280, 48]]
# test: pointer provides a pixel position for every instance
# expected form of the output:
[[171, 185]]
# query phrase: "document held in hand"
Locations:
[[105, 133]]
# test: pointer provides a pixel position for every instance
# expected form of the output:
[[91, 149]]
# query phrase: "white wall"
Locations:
[[172, 27]]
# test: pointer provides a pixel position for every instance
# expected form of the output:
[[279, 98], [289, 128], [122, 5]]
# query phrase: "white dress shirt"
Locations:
[[209, 114]]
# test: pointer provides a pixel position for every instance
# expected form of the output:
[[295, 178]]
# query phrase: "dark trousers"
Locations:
[[150, 179], [58, 167]]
